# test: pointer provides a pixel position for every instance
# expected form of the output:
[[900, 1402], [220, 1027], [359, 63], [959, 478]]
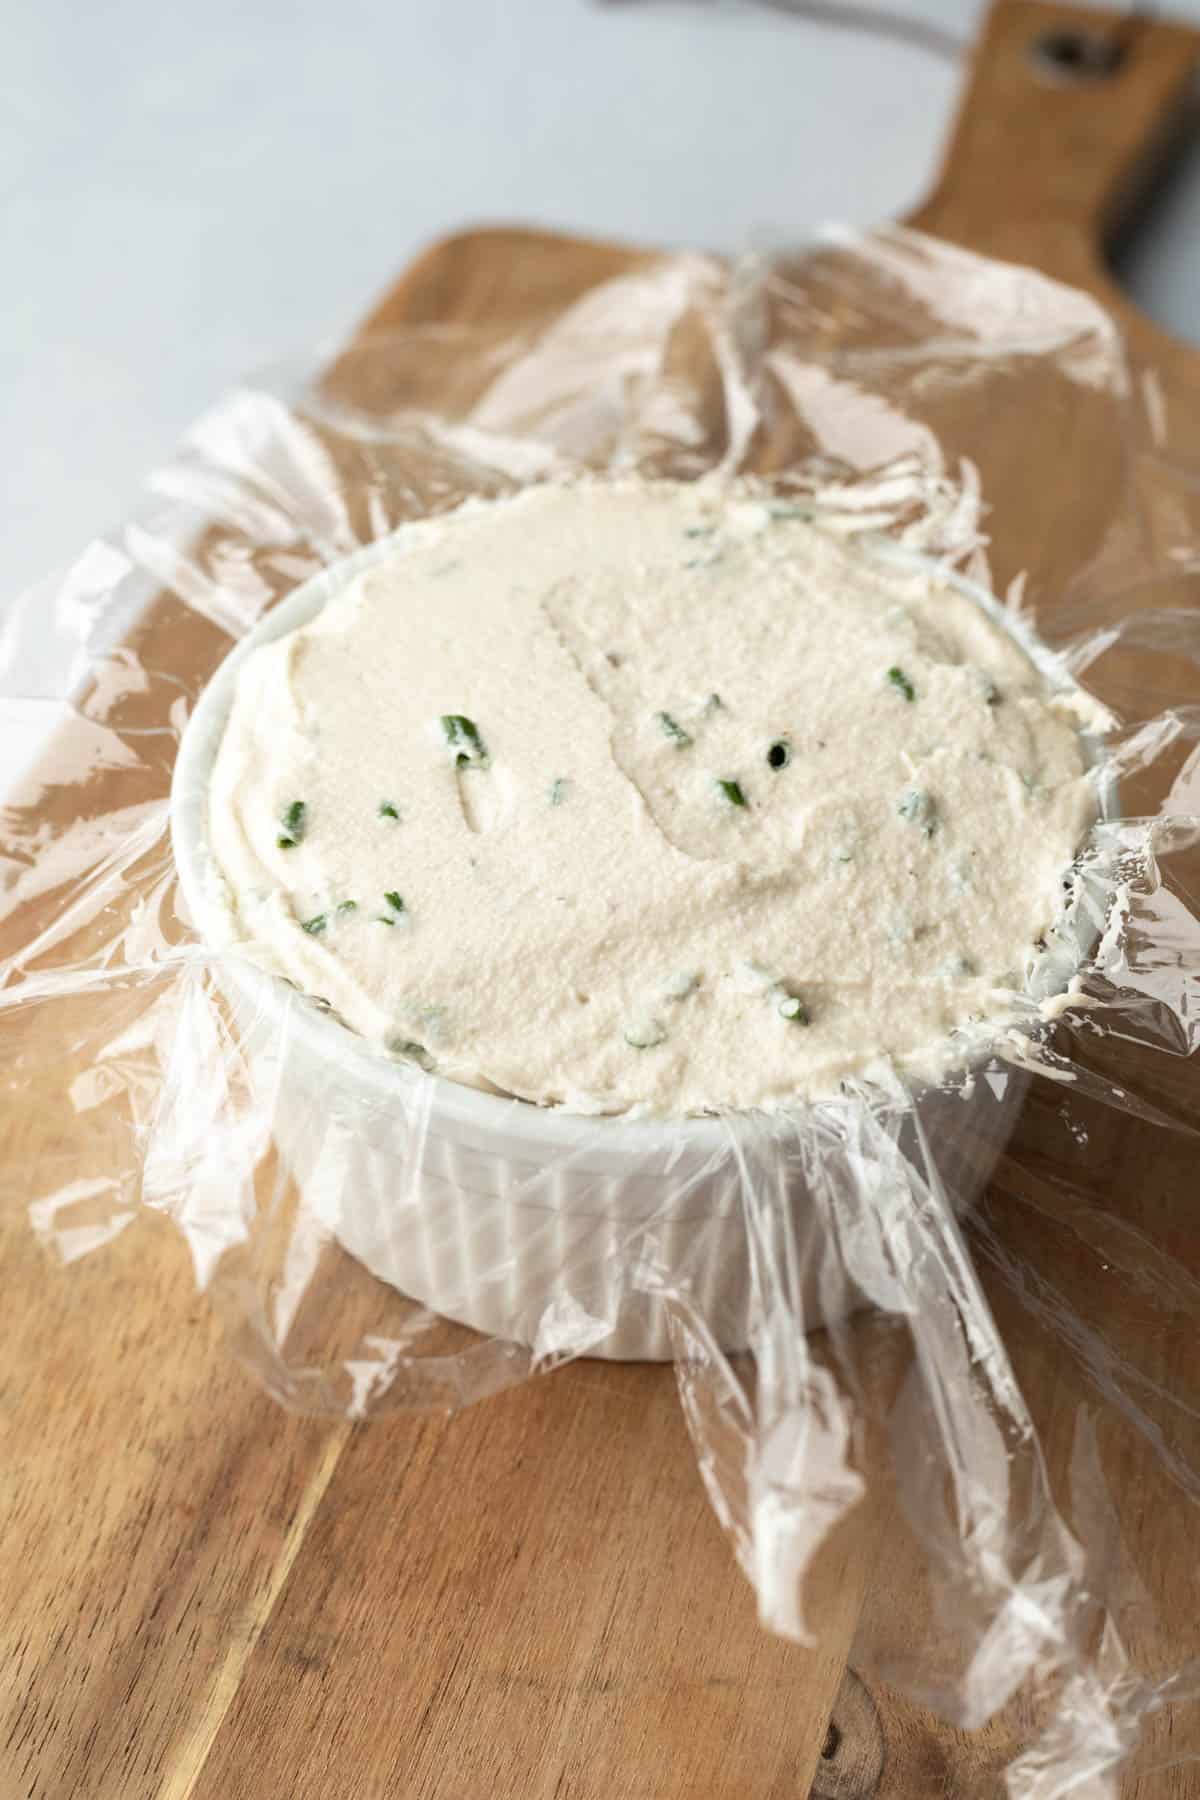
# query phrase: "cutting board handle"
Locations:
[[1066, 116]]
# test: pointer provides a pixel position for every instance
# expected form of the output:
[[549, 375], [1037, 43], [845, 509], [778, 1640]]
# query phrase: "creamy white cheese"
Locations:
[[647, 795]]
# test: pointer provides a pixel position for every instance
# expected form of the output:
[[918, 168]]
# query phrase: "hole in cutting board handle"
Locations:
[[1077, 55]]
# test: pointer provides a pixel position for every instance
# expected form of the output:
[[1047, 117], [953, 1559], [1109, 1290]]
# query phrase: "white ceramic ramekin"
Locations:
[[563, 1232]]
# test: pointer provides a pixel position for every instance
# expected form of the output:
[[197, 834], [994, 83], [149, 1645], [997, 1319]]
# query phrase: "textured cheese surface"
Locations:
[[647, 795]]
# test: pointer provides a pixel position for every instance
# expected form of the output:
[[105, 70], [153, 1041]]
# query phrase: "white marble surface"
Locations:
[[187, 190]]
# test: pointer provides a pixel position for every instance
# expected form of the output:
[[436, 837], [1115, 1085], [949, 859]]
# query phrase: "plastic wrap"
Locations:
[[944, 1337]]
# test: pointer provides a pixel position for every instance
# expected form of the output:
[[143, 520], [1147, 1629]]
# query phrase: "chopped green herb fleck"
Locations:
[[792, 1008], [387, 810], [293, 825], [646, 1035], [462, 735], [672, 729], [698, 531], [919, 808], [901, 683], [991, 693], [733, 792], [558, 790], [411, 1051], [780, 754], [713, 704], [395, 902], [786, 509], [704, 562], [348, 906], [316, 925]]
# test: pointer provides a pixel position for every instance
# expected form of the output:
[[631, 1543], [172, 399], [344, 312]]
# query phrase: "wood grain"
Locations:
[[207, 1599]]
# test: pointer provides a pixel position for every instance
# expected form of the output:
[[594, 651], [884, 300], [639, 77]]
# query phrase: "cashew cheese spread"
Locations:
[[647, 795]]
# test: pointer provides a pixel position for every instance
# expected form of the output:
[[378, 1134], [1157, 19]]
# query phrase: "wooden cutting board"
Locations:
[[203, 1598]]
